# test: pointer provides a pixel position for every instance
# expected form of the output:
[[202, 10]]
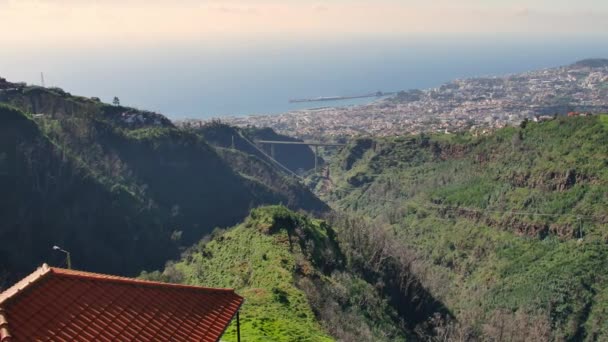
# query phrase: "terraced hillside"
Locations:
[[510, 230]]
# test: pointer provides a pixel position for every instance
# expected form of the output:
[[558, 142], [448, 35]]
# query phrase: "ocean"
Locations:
[[205, 79]]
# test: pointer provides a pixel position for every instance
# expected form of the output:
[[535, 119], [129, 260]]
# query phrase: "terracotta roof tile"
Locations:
[[65, 305]]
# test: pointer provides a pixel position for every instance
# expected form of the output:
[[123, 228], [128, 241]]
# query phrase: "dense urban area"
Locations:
[[477, 104]]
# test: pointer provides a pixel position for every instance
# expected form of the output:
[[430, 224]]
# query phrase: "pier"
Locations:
[[339, 98]]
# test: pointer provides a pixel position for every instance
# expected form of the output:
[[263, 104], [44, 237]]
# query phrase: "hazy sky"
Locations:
[[250, 56], [53, 21]]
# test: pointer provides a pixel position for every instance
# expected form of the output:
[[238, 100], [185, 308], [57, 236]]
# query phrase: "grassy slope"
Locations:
[[275, 309], [448, 197], [290, 270]]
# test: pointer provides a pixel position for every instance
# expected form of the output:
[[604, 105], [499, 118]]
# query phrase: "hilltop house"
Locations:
[[54, 304]]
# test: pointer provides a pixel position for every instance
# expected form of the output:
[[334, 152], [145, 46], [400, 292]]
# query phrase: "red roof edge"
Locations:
[[44, 271], [62, 272], [24, 283]]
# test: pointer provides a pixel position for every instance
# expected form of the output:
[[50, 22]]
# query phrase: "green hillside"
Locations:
[[51, 197], [58, 104], [297, 283], [510, 230], [496, 237], [172, 179], [294, 194]]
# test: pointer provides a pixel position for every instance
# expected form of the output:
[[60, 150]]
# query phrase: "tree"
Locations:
[[116, 101], [524, 123]]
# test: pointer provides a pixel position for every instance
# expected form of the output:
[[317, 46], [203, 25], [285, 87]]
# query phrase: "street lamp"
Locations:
[[69, 260]]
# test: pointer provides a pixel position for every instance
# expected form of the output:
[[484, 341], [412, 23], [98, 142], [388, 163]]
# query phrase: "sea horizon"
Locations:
[[203, 81]]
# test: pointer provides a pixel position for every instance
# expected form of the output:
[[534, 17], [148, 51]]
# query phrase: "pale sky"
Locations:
[[71, 21]]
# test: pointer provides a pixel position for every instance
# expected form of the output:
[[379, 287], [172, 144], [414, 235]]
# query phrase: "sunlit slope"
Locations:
[[294, 278], [509, 227]]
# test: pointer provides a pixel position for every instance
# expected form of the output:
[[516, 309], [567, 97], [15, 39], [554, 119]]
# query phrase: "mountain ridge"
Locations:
[[592, 62], [173, 178]]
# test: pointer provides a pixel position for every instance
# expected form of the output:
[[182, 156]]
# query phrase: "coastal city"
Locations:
[[478, 104]]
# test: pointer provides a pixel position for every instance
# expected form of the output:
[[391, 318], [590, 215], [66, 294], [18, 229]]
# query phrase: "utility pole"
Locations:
[[233, 143], [42, 80], [238, 327]]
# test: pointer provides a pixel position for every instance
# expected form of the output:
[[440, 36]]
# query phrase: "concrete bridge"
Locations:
[[316, 145]]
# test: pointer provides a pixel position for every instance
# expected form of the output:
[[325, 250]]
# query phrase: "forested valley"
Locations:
[[493, 237]]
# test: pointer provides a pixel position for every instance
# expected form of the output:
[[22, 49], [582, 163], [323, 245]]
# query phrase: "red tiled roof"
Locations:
[[54, 304]]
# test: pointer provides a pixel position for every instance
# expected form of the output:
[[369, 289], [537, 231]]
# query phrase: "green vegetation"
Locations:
[[435, 237], [171, 187], [506, 228], [294, 277], [295, 194], [50, 197], [604, 120], [260, 267]]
